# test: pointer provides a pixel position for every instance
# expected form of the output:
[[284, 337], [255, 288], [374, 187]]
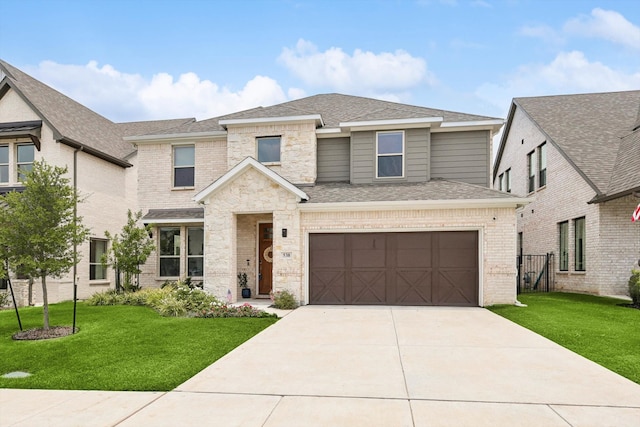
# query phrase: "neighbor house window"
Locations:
[[501, 182], [195, 251], [390, 154], [25, 155], [97, 248], [531, 167], [4, 164], [507, 180], [268, 149], [4, 284], [169, 251], [563, 232], [580, 234], [184, 165], [542, 165]]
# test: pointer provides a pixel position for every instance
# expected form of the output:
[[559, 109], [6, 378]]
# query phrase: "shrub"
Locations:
[[110, 297], [634, 286], [5, 299], [170, 306], [220, 310], [284, 300]]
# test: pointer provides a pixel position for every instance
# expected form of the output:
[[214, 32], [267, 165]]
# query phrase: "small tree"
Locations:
[[130, 249], [39, 226]]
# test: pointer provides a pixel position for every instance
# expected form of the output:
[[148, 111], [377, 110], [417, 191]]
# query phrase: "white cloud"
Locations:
[[127, 97], [363, 72], [569, 72], [606, 24], [543, 32]]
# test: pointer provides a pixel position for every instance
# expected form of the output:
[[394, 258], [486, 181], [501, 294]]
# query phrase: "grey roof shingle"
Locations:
[[74, 122], [436, 189], [335, 109], [177, 214], [590, 129]]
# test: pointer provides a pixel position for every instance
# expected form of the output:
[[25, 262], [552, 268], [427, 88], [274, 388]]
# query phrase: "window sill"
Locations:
[[182, 188], [272, 163], [99, 282]]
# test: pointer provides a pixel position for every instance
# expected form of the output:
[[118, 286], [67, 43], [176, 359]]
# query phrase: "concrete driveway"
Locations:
[[369, 366]]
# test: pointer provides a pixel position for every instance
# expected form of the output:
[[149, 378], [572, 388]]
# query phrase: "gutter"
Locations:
[[79, 146], [515, 202]]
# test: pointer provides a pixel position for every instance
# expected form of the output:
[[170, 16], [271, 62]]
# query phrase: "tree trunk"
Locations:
[[45, 303]]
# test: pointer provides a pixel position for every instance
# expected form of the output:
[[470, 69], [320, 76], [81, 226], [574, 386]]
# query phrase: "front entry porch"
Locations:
[[254, 237]]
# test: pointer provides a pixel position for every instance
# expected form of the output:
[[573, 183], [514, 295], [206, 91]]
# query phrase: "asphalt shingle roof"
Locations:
[[436, 189], [177, 214], [594, 132]]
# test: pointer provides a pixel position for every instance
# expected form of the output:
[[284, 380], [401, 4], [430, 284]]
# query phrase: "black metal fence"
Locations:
[[536, 273]]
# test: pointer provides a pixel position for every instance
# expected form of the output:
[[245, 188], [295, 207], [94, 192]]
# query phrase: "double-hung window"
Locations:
[[4, 164], [390, 154], [563, 233], [501, 182], [268, 149], [25, 157], [531, 167], [184, 165], [97, 248], [169, 251], [580, 244], [542, 165], [507, 180], [195, 251]]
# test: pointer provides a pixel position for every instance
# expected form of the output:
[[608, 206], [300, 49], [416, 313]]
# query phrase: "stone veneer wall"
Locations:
[[497, 238], [297, 148]]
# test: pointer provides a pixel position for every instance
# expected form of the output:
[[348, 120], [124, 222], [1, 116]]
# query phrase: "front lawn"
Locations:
[[597, 328], [117, 347]]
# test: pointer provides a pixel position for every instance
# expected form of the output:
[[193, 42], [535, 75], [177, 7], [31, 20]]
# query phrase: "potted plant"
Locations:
[[242, 281]]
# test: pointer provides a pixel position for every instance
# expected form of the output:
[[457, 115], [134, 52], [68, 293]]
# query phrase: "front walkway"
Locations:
[[369, 366]]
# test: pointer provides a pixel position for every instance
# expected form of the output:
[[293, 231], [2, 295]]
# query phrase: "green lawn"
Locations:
[[594, 327], [117, 347]]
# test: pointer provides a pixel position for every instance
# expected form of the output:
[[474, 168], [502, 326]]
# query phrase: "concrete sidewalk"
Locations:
[[369, 366]]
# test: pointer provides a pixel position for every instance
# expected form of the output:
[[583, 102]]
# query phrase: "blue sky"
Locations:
[[138, 60]]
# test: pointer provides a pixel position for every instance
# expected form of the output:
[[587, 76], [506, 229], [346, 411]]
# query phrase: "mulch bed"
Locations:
[[636, 306], [44, 334]]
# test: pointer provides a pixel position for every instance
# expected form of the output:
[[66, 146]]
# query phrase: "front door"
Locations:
[[265, 256]]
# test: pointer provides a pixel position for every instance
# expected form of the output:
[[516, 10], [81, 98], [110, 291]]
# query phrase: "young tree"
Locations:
[[130, 249], [40, 226]]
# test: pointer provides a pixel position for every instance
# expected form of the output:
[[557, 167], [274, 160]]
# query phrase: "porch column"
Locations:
[[220, 254]]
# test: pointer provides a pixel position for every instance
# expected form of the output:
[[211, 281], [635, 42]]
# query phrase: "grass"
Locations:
[[117, 347], [597, 328]]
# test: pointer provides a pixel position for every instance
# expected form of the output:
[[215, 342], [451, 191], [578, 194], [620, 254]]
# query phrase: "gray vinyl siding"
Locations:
[[461, 156], [333, 160], [363, 157]]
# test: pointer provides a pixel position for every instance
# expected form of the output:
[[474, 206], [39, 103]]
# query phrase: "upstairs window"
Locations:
[[4, 164], [268, 149], [97, 248], [184, 165], [25, 156], [507, 181], [542, 165], [563, 232], [169, 251], [501, 186], [390, 154], [581, 245], [531, 167]]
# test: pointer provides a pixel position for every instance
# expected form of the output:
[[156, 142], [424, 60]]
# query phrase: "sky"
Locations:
[[142, 60]]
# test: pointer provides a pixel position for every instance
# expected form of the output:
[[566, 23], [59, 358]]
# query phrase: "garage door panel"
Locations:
[[457, 287], [414, 286], [328, 250], [329, 287], [368, 250], [368, 286]]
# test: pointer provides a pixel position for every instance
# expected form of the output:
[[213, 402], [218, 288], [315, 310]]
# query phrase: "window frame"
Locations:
[[19, 164], [5, 165], [189, 256], [507, 180], [172, 256], [531, 172], [542, 172], [98, 262], [580, 248], [394, 154], [175, 167], [265, 138], [563, 246], [501, 182]]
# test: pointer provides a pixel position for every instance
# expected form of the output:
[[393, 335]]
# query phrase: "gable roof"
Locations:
[[237, 170], [595, 134], [334, 109], [74, 124]]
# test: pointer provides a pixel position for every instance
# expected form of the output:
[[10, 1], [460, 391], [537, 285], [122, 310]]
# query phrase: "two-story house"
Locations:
[[338, 199], [39, 123], [578, 156]]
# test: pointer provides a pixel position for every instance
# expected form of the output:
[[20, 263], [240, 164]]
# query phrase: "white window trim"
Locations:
[[279, 162], [98, 262], [187, 256], [161, 257], [8, 164], [19, 163], [391, 154], [173, 166]]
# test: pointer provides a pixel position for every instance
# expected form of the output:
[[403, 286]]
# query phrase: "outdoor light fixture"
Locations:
[[284, 232]]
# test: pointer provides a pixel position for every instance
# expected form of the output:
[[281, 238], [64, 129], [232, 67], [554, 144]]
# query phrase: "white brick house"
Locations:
[[39, 123], [338, 199], [578, 157]]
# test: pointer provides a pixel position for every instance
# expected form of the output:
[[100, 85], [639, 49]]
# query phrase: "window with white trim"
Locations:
[[97, 248], [531, 167], [184, 161], [195, 251], [542, 165], [268, 149], [579, 227], [507, 180], [4, 164], [563, 232], [25, 156], [390, 154], [169, 251]]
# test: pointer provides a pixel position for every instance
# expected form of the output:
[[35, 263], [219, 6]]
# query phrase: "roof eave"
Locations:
[[141, 139], [601, 198], [512, 202], [99, 154], [317, 118]]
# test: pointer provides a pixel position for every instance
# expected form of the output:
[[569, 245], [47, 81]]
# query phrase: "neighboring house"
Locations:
[[338, 199], [39, 123], [578, 156]]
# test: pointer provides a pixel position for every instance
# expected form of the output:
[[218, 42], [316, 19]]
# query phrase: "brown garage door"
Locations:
[[422, 268]]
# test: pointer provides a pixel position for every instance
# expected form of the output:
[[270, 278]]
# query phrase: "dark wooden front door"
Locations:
[[265, 258], [416, 268]]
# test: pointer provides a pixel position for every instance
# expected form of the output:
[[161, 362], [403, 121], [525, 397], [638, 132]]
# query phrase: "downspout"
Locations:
[[75, 245]]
